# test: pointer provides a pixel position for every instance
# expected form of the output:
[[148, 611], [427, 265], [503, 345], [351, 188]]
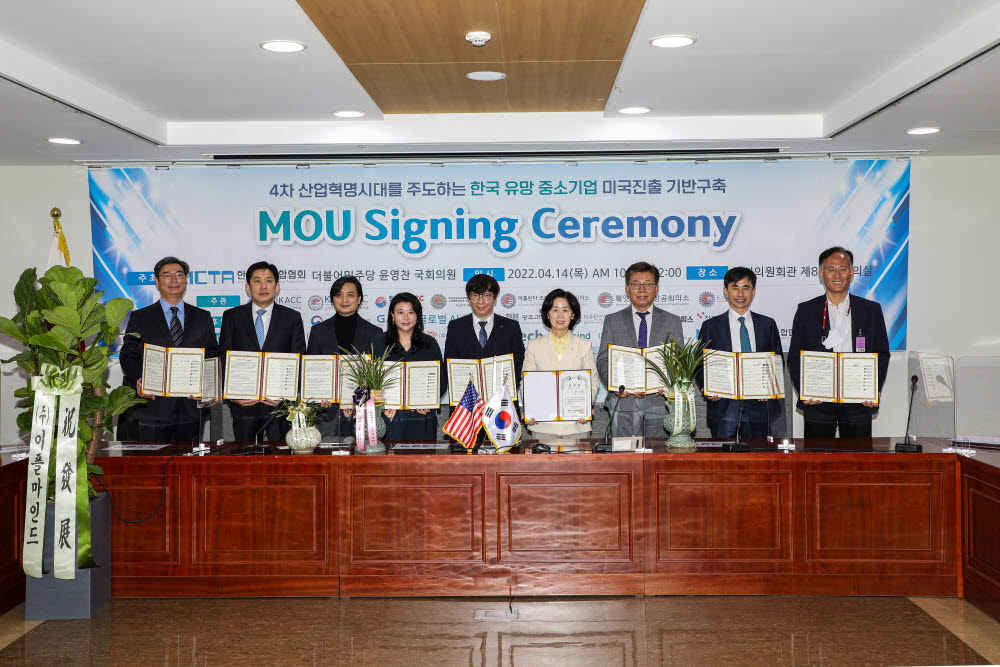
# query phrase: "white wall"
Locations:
[[954, 239], [27, 194]]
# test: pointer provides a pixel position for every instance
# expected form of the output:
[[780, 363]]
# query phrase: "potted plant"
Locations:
[[675, 365], [371, 375], [66, 332], [303, 437]]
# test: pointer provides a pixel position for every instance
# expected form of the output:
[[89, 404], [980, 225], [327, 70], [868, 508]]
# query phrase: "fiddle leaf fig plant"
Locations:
[[62, 322]]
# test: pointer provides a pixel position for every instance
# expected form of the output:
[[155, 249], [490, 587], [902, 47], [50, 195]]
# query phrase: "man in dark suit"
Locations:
[[838, 322], [482, 333], [342, 333], [740, 330], [260, 326], [640, 325], [169, 322]]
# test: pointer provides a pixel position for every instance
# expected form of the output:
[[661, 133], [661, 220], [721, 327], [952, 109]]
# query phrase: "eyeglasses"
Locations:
[[642, 286], [835, 270], [177, 274], [481, 296]]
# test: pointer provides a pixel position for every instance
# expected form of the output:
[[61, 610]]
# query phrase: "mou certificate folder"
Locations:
[[319, 375], [627, 366], [553, 396], [261, 375], [743, 375], [172, 371], [211, 384], [481, 371], [415, 385], [844, 377]]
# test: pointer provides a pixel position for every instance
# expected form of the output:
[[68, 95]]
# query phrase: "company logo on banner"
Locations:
[[535, 228]]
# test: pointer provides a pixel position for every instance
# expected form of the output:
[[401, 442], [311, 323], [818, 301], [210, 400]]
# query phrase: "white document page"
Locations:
[[242, 375], [503, 367], [319, 377], [541, 390], [423, 385], [818, 376], [858, 377], [184, 371], [626, 366], [719, 368], [575, 394], [778, 365], [154, 369], [392, 393], [281, 376], [459, 372], [654, 356], [755, 370], [210, 388]]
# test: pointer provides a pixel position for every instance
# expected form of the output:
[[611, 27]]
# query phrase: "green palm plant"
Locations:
[[678, 361], [372, 373]]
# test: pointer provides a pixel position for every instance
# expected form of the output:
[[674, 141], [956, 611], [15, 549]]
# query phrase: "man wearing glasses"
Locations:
[[482, 333], [640, 325], [838, 322], [169, 322]]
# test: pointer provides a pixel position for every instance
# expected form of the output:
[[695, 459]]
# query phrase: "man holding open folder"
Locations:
[[838, 322]]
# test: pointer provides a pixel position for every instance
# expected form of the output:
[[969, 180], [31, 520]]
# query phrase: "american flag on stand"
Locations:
[[466, 418]]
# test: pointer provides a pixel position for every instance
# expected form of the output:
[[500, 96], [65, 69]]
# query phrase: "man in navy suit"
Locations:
[[740, 330], [260, 326], [170, 322], [482, 333], [838, 322]]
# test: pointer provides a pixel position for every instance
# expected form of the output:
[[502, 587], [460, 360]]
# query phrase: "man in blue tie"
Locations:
[[640, 325], [740, 330], [260, 326]]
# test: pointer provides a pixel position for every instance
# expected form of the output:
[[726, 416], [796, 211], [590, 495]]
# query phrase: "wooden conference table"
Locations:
[[833, 517]]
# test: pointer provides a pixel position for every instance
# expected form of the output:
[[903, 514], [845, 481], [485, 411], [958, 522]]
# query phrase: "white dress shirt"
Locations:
[[265, 318], [489, 325], [839, 339], [734, 331]]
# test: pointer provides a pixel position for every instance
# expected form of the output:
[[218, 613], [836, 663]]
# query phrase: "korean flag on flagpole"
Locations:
[[501, 421]]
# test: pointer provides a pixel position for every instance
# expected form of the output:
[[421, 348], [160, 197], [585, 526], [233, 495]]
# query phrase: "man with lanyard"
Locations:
[[838, 322]]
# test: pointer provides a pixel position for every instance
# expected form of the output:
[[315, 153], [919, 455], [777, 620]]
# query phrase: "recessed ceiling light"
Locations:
[[282, 46], [64, 140], [672, 41], [923, 130], [348, 114], [477, 37], [486, 76], [634, 111]]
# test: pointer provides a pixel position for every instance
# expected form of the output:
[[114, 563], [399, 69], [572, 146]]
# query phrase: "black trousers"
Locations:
[[823, 421], [247, 421]]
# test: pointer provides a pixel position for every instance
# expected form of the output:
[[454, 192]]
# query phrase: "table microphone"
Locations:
[[605, 445], [738, 446], [256, 447], [906, 445]]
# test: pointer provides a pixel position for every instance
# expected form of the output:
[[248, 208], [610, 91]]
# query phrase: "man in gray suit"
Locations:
[[640, 325]]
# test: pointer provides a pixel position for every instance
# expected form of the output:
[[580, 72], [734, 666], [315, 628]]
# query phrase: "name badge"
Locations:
[[859, 343]]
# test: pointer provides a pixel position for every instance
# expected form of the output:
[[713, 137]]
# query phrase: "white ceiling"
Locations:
[[177, 81]]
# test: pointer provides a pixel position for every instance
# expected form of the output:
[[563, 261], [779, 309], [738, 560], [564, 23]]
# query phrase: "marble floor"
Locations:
[[551, 631]]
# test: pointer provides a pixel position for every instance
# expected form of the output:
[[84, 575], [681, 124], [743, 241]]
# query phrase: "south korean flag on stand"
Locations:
[[501, 421]]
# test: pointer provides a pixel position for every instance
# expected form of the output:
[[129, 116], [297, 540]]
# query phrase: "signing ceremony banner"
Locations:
[[534, 227]]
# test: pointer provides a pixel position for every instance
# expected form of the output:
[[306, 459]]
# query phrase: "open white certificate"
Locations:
[[653, 356], [392, 394], [503, 366], [779, 375], [541, 395], [459, 373], [423, 385], [211, 387], [242, 375], [154, 369], [858, 377], [626, 366], [757, 375], [319, 377], [818, 376], [281, 376], [184, 371], [347, 385], [719, 370], [575, 395]]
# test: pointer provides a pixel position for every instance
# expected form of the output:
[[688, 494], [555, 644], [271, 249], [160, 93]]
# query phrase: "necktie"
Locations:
[[176, 332], [744, 336], [259, 328], [482, 334], [643, 330]]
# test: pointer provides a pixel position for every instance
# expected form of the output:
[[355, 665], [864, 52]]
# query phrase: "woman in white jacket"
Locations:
[[559, 351]]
